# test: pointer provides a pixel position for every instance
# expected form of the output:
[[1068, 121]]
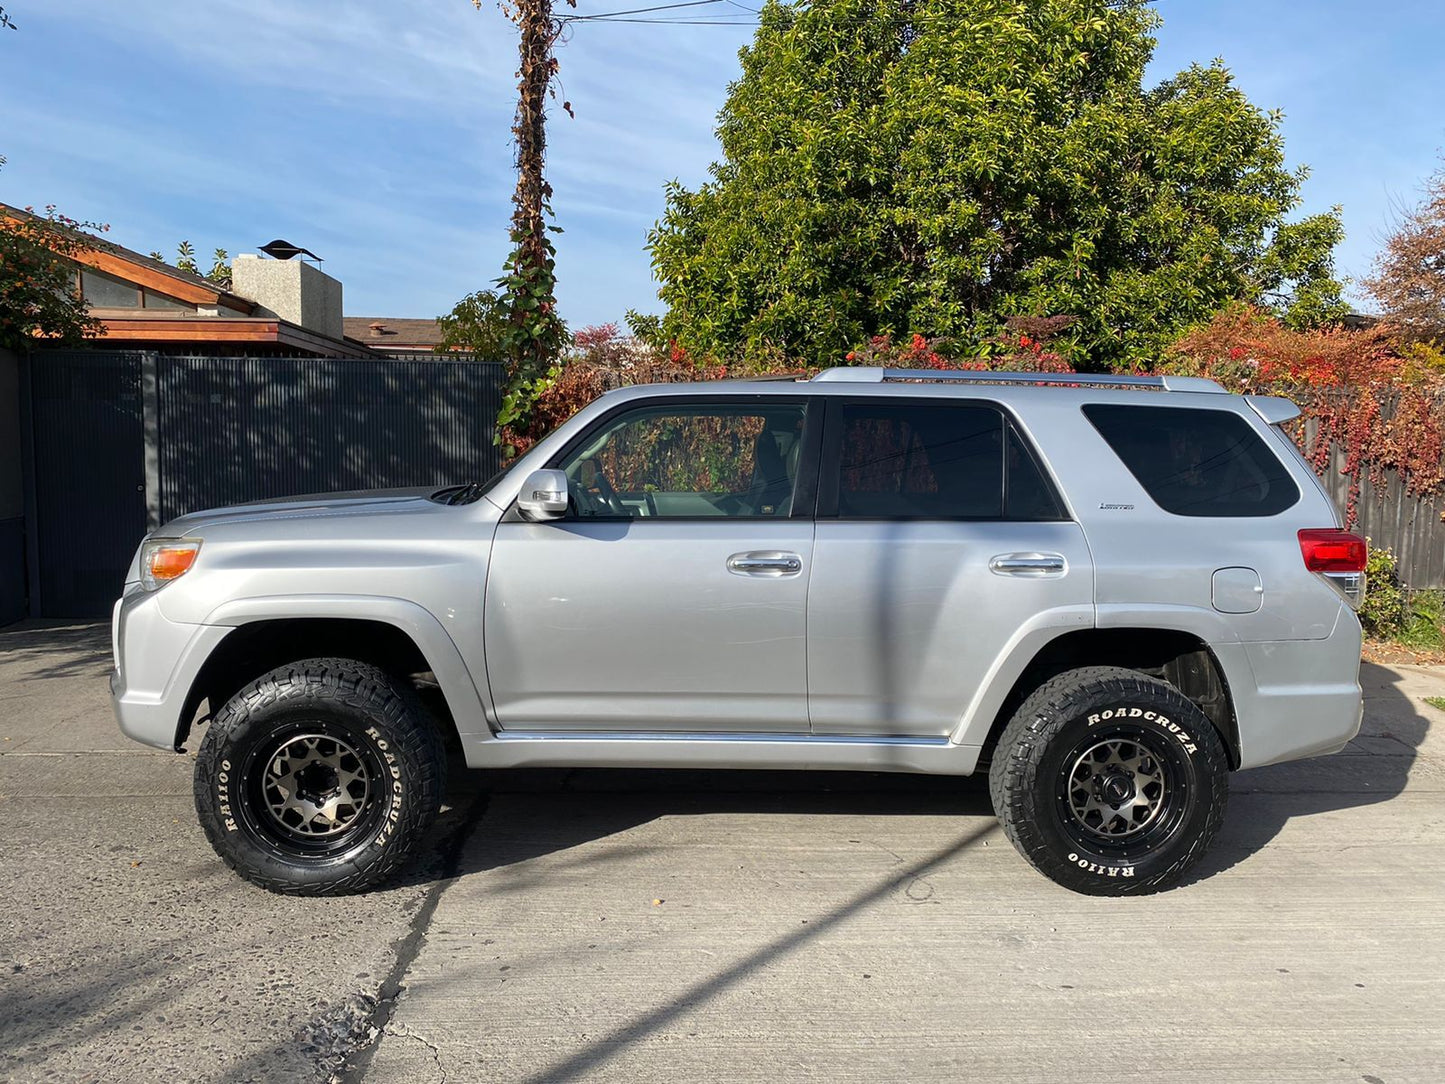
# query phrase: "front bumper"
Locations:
[[156, 664]]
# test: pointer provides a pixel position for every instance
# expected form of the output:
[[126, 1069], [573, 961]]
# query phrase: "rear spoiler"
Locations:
[[1274, 409]]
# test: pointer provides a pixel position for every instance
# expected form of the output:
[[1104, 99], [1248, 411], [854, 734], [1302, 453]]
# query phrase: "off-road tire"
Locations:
[[318, 713], [1073, 739]]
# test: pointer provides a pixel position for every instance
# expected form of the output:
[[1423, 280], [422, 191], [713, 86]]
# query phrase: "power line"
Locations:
[[611, 15], [637, 16], [679, 22]]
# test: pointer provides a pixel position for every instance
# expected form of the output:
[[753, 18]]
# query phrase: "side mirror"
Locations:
[[543, 496]]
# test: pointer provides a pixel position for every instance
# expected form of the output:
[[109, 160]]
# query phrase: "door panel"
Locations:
[[641, 625], [905, 619], [674, 596], [939, 537]]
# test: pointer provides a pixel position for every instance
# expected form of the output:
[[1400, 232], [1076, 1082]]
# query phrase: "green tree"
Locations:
[[938, 166], [479, 323], [38, 298], [220, 272]]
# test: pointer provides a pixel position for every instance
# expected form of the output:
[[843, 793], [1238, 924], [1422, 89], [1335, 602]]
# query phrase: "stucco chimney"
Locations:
[[291, 290]]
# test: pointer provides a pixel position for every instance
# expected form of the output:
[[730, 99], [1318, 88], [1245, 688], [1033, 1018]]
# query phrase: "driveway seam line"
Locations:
[[409, 947]]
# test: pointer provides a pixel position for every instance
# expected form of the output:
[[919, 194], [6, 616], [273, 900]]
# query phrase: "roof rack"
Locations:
[[877, 374]]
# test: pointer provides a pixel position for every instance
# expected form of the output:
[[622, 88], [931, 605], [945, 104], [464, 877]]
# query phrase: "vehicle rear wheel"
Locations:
[[1110, 782], [320, 778]]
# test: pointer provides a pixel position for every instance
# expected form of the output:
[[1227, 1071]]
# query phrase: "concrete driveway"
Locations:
[[670, 926]]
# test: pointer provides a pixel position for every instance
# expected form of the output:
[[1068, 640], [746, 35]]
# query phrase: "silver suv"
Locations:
[[1106, 592]]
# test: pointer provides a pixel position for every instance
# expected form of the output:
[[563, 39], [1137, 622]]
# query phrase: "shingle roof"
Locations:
[[392, 333]]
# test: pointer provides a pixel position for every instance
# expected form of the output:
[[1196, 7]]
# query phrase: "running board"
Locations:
[[531, 749]]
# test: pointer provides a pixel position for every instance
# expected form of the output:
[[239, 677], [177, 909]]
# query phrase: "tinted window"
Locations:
[[1026, 495], [108, 292], [686, 462], [1196, 462], [934, 461], [161, 301]]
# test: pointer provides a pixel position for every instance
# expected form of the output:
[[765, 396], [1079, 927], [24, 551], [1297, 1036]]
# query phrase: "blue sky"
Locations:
[[376, 132]]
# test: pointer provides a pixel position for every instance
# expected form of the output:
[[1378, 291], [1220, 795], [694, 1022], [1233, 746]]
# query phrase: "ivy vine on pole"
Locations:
[[535, 335]]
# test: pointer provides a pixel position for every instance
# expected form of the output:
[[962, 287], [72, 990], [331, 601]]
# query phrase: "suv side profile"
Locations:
[[1105, 592]]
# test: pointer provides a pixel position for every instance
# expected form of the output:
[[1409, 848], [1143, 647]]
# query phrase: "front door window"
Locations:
[[690, 462]]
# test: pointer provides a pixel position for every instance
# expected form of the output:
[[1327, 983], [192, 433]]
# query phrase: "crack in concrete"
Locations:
[[401, 1031], [410, 946]]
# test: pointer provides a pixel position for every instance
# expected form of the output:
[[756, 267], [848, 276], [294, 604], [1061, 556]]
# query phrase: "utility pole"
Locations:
[[535, 334], [534, 75]]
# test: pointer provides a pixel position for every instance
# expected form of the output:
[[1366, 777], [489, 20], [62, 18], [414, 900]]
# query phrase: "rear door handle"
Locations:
[[1028, 564], [765, 563]]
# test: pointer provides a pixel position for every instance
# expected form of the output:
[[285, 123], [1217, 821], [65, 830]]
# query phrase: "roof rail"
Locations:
[[876, 374]]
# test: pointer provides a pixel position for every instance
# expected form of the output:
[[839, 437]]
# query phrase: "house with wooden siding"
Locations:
[[272, 307]]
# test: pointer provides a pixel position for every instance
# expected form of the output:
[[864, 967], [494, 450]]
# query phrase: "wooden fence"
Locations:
[[1413, 529]]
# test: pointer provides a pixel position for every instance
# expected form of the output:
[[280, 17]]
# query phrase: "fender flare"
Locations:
[[469, 704], [1027, 641], [1034, 636]]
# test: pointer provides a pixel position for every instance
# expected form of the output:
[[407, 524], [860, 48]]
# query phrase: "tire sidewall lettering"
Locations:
[[392, 733], [1132, 714], [223, 796], [1104, 869]]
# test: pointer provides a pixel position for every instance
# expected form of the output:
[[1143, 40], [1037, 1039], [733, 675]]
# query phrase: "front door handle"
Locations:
[[1028, 564], [765, 563]]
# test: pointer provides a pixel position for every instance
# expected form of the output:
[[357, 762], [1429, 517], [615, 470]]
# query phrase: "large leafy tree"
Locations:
[[938, 166]]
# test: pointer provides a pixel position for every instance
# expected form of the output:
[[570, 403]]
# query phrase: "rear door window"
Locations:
[[922, 460], [1196, 462]]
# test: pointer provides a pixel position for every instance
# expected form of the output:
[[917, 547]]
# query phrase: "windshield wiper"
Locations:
[[465, 493]]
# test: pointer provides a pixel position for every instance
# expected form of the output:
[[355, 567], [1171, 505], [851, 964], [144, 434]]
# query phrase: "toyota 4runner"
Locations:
[[1105, 592]]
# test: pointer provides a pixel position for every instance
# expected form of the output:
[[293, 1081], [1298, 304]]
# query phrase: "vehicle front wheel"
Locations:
[[320, 778], [1110, 782]]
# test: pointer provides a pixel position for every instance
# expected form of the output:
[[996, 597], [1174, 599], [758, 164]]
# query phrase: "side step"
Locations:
[[532, 749]]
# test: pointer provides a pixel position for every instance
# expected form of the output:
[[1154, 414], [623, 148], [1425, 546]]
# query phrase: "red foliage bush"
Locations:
[[601, 359], [1019, 351], [1379, 400]]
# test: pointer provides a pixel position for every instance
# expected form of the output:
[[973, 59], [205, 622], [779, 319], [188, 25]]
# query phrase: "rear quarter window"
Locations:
[[1196, 462]]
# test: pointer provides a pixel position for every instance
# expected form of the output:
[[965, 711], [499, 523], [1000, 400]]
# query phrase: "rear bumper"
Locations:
[[156, 663], [1296, 698]]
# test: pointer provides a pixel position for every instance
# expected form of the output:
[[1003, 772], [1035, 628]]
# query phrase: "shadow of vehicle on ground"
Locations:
[[555, 810], [1375, 767]]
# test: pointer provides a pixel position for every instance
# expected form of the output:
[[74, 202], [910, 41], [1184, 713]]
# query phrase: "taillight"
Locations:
[[1328, 549], [1339, 557]]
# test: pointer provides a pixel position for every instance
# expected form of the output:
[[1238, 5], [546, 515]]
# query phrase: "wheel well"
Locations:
[[252, 649], [1179, 658]]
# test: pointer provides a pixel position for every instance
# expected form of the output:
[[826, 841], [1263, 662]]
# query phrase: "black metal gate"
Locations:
[[88, 465], [244, 429], [123, 442]]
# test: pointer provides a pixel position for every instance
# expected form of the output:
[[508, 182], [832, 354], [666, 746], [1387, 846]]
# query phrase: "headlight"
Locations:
[[165, 559]]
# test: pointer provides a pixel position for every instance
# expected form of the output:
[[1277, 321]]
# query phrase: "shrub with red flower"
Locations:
[[1380, 401], [1012, 351], [601, 358]]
